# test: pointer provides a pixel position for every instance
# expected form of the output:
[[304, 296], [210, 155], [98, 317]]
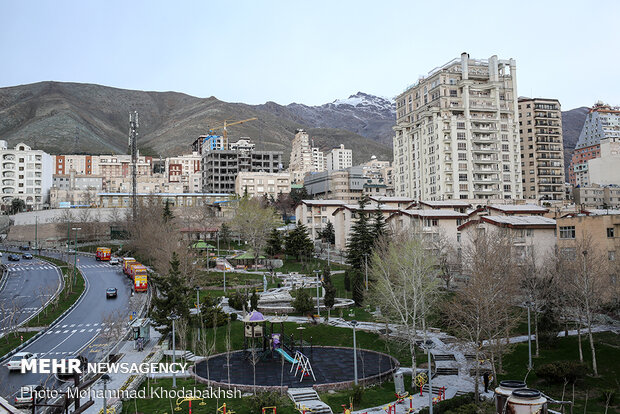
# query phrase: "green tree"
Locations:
[[254, 301], [362, 238], [358, 287], [330, 291], [347, 280], [173, 296], [274, 244], [167, 214], [298, 243], [17, 205], [298, 194], [225, 235], [328, 234], [379, 226], [302, 302]]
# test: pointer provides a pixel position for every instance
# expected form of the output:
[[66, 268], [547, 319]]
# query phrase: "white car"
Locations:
[[15, 363], [114, 261], [24, 397]]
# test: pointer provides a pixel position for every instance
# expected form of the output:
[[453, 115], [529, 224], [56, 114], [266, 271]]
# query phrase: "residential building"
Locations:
[[455, 205], [433, 223], [530, 235], [185, 169], [457, 135], [542, 148], [259, 184], [304, 158], [157, 183], [339, 158], [604, 170], [602, 121], [315, 214], [80, 164], [74, 181], [516, 210], [220, 167], [26, 175], [394, 202], [174, 199], [243, 144], [602, 197], [601, 228], [345, 216], [345, 185], [380, 173]]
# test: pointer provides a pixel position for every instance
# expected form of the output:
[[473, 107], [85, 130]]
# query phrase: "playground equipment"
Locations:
[[223, 410], [420, 380], [299, 362], [273, 409], [400, 397], [181, 400], [441, 396]]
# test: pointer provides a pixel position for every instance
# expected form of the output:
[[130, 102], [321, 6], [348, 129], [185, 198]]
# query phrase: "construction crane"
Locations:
[[224, 129]]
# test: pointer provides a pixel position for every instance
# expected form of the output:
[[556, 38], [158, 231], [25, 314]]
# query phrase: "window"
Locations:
[[567, 232], [610, 232], [458, 235], [611, 255], [462, 177]]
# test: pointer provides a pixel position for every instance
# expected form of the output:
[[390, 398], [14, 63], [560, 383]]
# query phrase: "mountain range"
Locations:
[[60, 117]]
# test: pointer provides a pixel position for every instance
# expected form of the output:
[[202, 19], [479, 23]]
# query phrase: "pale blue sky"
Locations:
[[309, 51]]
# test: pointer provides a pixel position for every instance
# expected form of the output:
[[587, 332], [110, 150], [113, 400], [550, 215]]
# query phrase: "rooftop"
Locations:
[[520, 221], [446, 203], [519, 208]]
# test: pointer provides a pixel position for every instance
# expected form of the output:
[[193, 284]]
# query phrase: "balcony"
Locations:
[[8, 157], [485, 148], [486, 160], [8, 166]]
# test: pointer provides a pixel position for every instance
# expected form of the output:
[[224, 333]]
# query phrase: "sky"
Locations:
[[309, 52]]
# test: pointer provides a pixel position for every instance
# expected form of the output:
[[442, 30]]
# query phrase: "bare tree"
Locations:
[[482, 309], [254, 223], [181, 331], [406, 285]]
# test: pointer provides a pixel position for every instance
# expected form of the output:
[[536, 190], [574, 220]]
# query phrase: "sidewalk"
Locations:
[[130, 355]]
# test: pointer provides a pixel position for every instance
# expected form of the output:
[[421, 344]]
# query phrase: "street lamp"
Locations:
[[75, 253], [429, 345], [105, 378], [197, 298], [318, 282], [173, 317], [529, 336], [354, 323]]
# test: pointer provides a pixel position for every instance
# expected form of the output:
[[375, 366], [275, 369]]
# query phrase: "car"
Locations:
[[27, 256], [111, 293], [114, 261], [14, 257], [15, 363], [24, 247], [24, 397]]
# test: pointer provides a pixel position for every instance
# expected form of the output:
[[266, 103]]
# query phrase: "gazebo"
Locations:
[[246, 258]]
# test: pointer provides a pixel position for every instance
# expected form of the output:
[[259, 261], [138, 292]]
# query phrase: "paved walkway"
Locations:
[[130, 355]]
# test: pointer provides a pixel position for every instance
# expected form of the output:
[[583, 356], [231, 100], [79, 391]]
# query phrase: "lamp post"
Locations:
[[217, 237], [430, 385], [529, 336], [36, 237], [318, 282], [105, 378], [224, 278], [75, 253], [173, 317], [354, 323], [197, 298]]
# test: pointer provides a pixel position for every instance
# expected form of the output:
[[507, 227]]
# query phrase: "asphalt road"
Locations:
[[29, 285], [83, 330]]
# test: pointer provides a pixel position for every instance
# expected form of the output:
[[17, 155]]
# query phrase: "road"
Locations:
[[29, 285], [79, 332]]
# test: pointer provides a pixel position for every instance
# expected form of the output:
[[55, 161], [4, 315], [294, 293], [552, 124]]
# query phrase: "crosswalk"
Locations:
[[80, 328], [25, 268], [96, 265]]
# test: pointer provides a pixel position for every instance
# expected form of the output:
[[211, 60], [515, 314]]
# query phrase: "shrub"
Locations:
[[302, 302], [560, 371], [356, 394], [237, 301], [264, 399], [460, 404]]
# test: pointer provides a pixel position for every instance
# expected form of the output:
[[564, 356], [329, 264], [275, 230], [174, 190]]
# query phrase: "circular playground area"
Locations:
[[323, 367]]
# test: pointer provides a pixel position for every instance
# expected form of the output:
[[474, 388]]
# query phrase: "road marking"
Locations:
[[82, 330], [72, 325], [67, 331], [90, 330], [61, 342]]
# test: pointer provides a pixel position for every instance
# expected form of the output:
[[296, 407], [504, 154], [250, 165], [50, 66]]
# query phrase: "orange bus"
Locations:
[[103, 253], [127, 261], [139, 276]]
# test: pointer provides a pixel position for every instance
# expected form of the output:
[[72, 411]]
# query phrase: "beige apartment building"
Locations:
[[457, 135], [259, 184], [185, 169], [315, 214], [304, 158], [339, 158], [542, 148], [602, 227], [602, 197]]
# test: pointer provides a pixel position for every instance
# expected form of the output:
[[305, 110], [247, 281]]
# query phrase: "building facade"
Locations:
[[542, 148], [185, 169], [304, 158], [26, 175], [347, 185], [339, 158], [602, 197], [315, 214], [457, 135], [259, 184], [603, 121]]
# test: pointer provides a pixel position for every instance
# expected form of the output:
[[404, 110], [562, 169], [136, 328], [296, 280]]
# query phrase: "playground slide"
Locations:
[[285, 355]]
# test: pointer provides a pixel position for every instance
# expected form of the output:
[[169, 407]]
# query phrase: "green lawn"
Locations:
[[11, 341], [168, 406], [373, 396], [607, 345], [308, 267]]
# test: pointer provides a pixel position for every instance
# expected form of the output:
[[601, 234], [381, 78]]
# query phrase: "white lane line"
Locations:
[[61, 342]]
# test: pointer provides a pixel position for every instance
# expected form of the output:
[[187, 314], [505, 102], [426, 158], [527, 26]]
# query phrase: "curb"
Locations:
[[51, 325]]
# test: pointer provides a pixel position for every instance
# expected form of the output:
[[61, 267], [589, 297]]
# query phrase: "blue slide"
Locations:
[[285, 355]]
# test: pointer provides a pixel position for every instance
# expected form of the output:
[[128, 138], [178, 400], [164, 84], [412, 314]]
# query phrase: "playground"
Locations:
[[274, 359]]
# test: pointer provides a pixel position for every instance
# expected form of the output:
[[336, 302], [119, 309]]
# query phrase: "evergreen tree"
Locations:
[[361, 239], [274, 244], [298, 243], [328, 234], [298, 194], [167, 214], [379, 227], [254, 301], [302, 302], [330, 290], [173, 296], [347, 280], [225, 235], [358, 287]]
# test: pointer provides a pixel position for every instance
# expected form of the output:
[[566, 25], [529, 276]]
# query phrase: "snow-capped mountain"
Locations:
[[367, 115]]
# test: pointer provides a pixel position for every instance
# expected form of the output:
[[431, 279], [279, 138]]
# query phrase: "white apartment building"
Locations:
[[315, 214], [457, 133], [258, 184], [436, 224], [605, 170], [185, 169], [304, 158], [26, 175], [339, 158]]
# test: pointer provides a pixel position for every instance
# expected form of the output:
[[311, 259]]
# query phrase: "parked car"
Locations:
[[111, 293], [14, 257], [24, 397], [26, 256], [15, 363], [114, 261]]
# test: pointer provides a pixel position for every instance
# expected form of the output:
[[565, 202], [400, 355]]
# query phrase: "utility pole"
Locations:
[[36, 238], [133, 150]]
